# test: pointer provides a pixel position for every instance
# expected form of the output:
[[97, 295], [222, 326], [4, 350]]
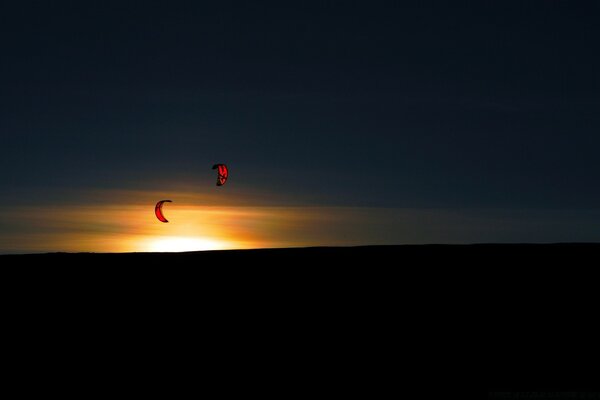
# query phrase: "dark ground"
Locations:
[[429, 322], [487, 253]]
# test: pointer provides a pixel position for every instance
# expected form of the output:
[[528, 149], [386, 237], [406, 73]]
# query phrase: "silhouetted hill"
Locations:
[[434, 321], [489, 252]]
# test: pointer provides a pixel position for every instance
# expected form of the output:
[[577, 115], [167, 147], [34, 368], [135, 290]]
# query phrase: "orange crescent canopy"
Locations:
[[223, 173], [158, 210]]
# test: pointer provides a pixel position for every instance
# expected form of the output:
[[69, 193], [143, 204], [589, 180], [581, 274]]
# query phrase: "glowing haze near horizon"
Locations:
[[342, 123], [124, 221]]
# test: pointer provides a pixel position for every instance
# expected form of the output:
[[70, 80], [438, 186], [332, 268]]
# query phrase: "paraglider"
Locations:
[[158, 210], [223, 173]]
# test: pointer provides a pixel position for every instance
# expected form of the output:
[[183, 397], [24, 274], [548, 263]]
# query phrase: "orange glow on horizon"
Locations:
[[133, 228], [179, 244], [129, 224]]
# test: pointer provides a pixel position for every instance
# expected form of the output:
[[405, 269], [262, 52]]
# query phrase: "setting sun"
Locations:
[[179, 244]]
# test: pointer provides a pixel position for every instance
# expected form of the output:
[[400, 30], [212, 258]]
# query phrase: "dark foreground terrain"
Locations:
[[424, 322], [324, 256]]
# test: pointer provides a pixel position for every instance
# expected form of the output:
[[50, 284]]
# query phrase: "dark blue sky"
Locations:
[[397, 104]]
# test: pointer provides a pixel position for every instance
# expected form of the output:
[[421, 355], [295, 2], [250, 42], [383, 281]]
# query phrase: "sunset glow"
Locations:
[[117, 221], [179, 244]]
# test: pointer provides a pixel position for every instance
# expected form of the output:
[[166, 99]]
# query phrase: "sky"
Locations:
[[342, 123]]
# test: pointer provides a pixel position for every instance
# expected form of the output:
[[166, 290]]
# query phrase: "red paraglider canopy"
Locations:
[[223, 173], [158, 210]]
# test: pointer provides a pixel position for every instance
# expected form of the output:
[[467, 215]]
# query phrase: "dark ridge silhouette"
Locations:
[[317, 253], [454, 318]]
